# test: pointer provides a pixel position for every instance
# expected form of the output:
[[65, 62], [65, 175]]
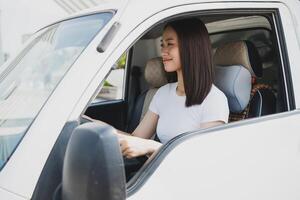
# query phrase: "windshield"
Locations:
[[28, 82]]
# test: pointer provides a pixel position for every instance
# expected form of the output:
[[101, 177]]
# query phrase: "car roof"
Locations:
[[136, 6]]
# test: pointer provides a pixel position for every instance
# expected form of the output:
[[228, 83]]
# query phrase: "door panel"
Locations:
[[252, 159], [111, 112]]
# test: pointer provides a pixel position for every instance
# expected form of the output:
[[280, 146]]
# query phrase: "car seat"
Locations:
[[262, 98], [156, 77]]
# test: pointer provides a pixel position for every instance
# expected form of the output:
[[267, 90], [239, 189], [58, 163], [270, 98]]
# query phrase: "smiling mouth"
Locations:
[[166, 60]]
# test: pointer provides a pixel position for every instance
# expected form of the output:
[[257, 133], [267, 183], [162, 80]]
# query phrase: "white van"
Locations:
[[94, 63]]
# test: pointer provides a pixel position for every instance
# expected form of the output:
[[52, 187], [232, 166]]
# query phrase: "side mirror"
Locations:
[[93, 165]]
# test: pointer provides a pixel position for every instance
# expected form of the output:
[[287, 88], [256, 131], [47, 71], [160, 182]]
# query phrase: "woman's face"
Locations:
[[170, 50]]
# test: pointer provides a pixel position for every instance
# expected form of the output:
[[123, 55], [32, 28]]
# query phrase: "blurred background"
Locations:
[[19, 19]]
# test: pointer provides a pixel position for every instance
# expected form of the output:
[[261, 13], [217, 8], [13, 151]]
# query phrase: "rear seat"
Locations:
[[262, 98]]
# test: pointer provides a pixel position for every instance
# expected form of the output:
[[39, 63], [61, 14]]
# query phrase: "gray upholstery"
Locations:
[[148, 98], [156, 77], [155, 74], [239, 53], [235, 82]]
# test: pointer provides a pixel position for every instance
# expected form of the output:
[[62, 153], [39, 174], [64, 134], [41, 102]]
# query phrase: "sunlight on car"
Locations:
[[29, 81]]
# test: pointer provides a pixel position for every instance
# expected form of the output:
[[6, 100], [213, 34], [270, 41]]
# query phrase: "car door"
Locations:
[[252, 159], [174, 175], [21, 173]]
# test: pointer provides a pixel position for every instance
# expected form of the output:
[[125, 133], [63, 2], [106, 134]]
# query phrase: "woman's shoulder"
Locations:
[[163, 93], [167, 87], [216, 94]]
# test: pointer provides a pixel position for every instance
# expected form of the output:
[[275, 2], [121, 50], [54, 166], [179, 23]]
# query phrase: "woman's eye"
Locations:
[[166, 45]]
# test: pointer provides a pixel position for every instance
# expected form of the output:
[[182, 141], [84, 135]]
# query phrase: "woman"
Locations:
[[191, 103]]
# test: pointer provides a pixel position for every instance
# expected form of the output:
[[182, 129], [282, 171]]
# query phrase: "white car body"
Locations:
[[253, 159]]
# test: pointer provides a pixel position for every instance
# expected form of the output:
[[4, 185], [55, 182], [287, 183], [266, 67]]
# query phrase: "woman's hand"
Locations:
[[132, 146], [137, 143]]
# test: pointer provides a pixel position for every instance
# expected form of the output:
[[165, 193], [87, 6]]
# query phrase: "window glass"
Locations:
[[113, 86], [28, 82]]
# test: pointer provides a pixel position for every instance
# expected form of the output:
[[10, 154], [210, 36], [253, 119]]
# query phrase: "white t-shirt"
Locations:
[[175, 118]]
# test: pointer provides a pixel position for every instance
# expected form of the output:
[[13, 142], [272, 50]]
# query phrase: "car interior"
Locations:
[[247, 66], [252, 47]]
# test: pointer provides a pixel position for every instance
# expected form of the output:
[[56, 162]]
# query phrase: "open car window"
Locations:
[[114, 85], [258, 29]]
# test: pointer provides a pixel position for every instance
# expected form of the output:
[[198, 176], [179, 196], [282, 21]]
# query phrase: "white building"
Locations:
[[71, 6], [68, 6], [1, 51]]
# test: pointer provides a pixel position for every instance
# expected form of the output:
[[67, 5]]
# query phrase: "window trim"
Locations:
[[113, 11], [284, 60]]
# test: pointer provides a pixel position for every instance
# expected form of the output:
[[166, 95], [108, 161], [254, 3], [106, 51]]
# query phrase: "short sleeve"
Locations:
[[154, 105], [215, 108]]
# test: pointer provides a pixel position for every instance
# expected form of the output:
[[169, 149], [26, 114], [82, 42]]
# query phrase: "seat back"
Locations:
[[262, 98], [235, 82], [156, 77]]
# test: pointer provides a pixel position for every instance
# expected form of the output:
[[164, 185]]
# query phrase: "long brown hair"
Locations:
[[196, 58]]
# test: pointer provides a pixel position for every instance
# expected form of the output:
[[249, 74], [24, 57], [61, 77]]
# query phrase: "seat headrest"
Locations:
[[240, 53], [235, 82], [155, 74]]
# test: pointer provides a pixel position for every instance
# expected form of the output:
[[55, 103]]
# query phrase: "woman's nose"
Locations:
[[164, 51]]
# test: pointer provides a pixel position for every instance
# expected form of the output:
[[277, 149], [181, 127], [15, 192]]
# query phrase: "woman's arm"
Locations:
[[211, 124], [147, 126], [138, 143]]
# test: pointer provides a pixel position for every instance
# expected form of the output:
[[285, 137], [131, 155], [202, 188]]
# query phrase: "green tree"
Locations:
[[122, 61]]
